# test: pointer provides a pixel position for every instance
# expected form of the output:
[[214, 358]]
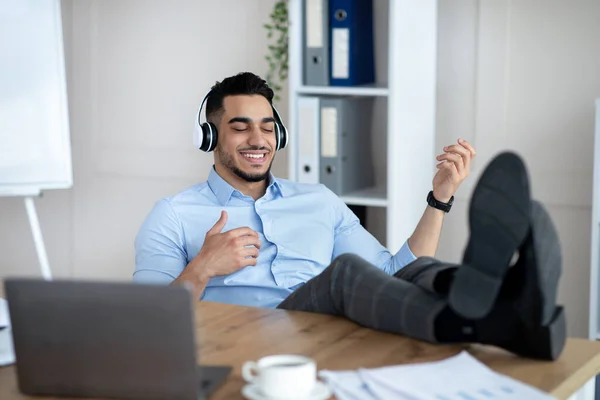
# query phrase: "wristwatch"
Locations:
[[438, 204]]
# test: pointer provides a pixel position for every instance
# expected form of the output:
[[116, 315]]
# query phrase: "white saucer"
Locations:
[[319, 392]]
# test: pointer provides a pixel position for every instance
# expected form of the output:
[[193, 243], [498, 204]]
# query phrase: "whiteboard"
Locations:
[[35, 149]]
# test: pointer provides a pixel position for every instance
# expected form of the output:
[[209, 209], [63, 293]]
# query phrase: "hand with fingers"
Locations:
[[223, 252], [454, 167]]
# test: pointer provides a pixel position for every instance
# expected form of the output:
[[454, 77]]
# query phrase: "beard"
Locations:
[[229, 163]]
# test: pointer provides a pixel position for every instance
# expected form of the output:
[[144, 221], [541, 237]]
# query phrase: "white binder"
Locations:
[[316, 42], [309, 122]]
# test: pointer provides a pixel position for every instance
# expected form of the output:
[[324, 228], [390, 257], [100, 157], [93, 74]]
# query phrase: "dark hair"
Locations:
[[244, 83]]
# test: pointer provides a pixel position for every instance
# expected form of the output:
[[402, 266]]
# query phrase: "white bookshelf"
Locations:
[[594, 318], [365, 90], [373, 197], [405, 75]]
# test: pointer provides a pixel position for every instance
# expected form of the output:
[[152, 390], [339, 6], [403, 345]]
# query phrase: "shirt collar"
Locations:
[[223, 190], [275, 185]]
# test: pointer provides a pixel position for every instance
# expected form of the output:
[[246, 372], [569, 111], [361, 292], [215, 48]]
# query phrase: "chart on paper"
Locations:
[[461, 377]]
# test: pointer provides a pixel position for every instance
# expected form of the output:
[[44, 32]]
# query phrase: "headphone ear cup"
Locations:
[[281, 134], [282, 137], [277, 130], [209, 136]]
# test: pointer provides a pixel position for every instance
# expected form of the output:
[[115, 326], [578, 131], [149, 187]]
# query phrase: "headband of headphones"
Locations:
[[206, 134]]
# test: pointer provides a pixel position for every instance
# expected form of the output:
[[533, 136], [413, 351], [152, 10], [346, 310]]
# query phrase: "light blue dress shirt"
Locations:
[[302, 228]]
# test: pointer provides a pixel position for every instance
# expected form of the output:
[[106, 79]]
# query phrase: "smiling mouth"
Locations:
[[254, 158]]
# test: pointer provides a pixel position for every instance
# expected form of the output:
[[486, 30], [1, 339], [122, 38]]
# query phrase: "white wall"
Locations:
[[137, 71], [145, 67], [512, 74], [523, 75]]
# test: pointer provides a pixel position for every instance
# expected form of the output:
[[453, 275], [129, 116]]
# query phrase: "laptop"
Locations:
[[105, 339]]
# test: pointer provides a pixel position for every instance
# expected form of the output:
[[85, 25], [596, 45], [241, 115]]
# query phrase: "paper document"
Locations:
[[7, 354], [4, 320], [461, 377]]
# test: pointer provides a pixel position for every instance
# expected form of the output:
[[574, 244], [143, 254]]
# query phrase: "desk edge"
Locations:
[[578, 380]]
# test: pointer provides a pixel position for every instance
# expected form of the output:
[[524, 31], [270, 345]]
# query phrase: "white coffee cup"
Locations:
[[283, 376]]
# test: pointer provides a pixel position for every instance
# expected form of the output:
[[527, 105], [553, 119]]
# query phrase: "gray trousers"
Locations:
[[406, 302]]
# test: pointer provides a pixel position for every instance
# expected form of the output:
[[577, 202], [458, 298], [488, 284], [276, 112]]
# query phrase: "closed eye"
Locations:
[[267, 125], [239, 128]]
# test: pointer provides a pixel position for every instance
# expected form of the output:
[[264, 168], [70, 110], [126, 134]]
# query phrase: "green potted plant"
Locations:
[[277, 56]]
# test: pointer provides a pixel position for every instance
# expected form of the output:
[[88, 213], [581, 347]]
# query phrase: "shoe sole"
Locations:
[[551, 342], [547, 259], [499, 216]]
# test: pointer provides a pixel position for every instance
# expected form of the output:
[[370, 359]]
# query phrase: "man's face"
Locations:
[[246, 142]]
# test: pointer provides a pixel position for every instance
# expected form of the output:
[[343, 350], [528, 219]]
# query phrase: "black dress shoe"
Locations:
[[527, 302], [499, 215], [513, 307]]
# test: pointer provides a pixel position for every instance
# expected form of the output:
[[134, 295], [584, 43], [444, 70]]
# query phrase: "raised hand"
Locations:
[[454, 167]]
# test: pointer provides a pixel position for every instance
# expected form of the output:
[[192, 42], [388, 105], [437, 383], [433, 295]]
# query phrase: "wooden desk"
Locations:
[[231, 335]]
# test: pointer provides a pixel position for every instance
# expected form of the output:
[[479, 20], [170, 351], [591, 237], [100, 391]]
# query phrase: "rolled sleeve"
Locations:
[[403, 257]]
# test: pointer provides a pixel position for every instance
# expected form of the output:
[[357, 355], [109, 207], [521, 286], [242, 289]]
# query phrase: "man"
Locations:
[[246, 237]]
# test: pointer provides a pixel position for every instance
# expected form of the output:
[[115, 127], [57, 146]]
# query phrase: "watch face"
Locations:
[[430, 199]]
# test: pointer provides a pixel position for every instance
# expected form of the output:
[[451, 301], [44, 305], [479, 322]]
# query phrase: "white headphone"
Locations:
[[206, 134]]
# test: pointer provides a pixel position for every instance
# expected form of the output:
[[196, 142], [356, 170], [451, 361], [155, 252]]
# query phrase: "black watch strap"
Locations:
[[445, 207]]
